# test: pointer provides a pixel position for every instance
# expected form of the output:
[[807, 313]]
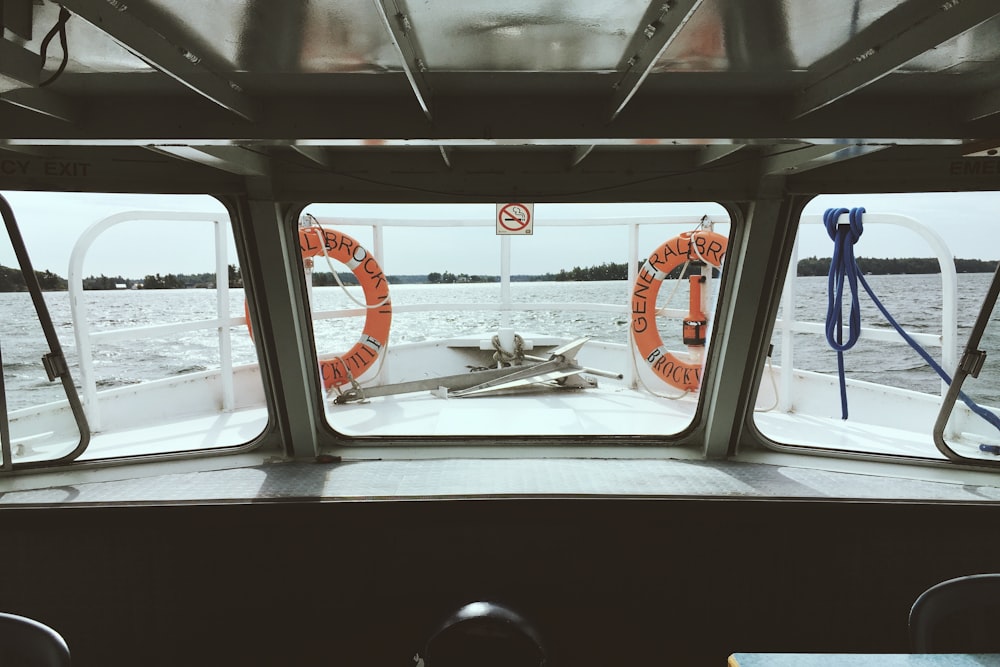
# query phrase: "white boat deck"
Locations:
[[557, 412]]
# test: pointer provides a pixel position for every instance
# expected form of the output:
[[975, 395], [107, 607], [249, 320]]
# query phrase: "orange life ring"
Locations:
[[698, 246], [340, 369]]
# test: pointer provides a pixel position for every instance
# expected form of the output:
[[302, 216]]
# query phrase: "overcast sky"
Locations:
[[51, 223]]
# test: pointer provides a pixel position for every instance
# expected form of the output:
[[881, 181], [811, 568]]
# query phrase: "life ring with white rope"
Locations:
[[702, 246], [343, 368]]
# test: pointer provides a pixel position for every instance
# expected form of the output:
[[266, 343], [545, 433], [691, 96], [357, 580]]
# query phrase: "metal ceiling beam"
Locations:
[[317, 154], [798, 160], [660, 24], [19, 67], [984, 148], [20, 73], [145, 41], [579, 154], [15, 16], [446, 154], [232, 159], [984, 105], [713, 152], [401, 32], [902, 34], [34, 151], [44, 102], [395, 122]]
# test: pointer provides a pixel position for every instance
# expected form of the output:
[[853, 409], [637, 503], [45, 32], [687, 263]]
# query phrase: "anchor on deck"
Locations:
[[559, 370]]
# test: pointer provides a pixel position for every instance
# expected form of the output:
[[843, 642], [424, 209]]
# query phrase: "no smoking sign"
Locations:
[[515, 218]]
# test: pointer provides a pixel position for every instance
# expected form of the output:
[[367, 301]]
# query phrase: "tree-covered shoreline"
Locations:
[[11, 280]]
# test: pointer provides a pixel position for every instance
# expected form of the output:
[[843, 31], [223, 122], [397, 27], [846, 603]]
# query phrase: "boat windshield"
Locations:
[[880, 298], [510, 320]]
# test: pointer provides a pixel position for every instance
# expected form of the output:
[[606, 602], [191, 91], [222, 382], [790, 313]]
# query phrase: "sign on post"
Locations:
[[515, 218]]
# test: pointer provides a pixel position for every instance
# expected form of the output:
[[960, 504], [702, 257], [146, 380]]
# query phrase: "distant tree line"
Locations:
[[608, 271], [12, 280], [874, 266], [449, 277]]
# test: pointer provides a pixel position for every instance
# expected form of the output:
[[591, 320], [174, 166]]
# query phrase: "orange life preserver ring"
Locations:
[[342, 368], [698, 246]]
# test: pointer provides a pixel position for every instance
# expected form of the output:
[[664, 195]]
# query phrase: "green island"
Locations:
[[12, 280]]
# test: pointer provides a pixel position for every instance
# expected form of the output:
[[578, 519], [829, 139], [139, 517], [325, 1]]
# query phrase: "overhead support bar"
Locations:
[[34, 151], [19, 67], [883, 47], [401, 31], [711, 153], [985, 148], [177, 62], [446, 155], [43, 101], [15, 16], [232, 159], [579, 153], [315, 153], [810, 157], [984, 105], [662, 22]]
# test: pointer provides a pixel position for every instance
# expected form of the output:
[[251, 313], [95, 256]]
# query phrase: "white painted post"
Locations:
[[222, 313]]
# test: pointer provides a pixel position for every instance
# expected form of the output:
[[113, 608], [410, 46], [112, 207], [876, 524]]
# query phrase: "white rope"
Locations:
[[638, 377], [677, 283], [774, 387], [502, 356], [329, 263]]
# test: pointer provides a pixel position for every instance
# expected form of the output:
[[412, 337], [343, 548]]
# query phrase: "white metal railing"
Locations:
[[949, 303], [506, 305], [81, 327], [223, 322]]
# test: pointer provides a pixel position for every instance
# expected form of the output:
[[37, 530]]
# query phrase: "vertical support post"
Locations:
[[378, 250], [631, 376], [788, 332], [506, 332], [282, 329], [745, 319], [222, 314]]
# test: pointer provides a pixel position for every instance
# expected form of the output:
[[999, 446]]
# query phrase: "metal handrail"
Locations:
[[78, 306], [506, 305], [949, 302], [86, 338], [54, 361], [223, 322]]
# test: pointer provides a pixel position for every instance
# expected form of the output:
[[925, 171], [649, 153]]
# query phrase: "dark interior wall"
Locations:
[[606, 581]]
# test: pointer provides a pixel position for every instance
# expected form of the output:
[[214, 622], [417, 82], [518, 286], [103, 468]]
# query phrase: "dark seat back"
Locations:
[[957, 616], [27, 643]]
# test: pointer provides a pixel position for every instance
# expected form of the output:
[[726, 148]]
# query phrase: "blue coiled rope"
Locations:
[[843, 265]]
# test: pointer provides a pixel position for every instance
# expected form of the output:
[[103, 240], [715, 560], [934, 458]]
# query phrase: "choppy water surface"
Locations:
[[915, 300]]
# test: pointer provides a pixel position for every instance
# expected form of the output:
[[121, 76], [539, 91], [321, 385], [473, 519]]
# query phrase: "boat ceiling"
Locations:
[[399, 100]]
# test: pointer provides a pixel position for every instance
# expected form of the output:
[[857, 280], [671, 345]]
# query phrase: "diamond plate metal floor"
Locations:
[[464, 478]]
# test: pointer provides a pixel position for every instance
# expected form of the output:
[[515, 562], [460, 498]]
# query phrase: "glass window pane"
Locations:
[[155, 341], [470, 354], [928, 259], [972, 427]]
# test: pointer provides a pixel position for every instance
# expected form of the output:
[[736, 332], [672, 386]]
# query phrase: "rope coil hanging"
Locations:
[[843, 265]]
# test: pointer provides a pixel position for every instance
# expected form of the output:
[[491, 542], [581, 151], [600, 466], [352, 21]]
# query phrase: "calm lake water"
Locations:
[[914, 300]]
